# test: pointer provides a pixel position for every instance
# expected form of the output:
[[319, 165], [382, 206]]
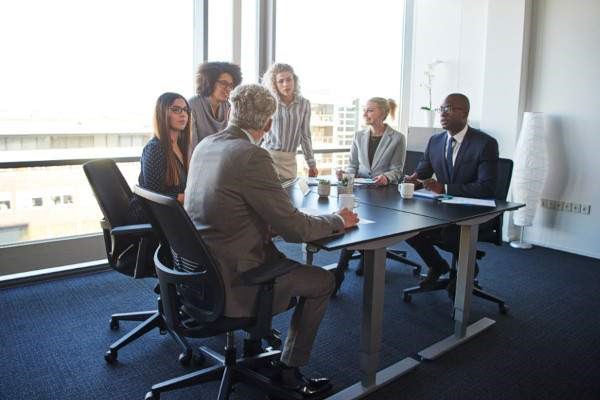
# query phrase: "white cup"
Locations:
[[346, 201], [406, 190]]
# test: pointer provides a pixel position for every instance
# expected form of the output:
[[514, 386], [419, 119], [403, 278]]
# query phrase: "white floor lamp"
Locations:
[[530, 172]]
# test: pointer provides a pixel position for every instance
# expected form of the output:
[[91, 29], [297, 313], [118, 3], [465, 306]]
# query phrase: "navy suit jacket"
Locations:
[[475, 169]]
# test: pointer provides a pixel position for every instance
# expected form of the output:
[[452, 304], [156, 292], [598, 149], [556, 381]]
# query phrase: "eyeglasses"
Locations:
[[226, 84], [179, 110], [447, 109]]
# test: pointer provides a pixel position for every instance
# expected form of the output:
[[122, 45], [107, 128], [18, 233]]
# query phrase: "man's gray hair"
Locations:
[[251, 106]]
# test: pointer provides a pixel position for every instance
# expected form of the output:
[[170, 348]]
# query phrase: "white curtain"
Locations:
[[530, 167]]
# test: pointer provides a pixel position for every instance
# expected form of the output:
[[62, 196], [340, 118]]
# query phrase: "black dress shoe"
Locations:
[[292, 379], [252, 348], [432, 277]]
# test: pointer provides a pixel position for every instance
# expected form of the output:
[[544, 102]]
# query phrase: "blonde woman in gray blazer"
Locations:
[[377, 152]]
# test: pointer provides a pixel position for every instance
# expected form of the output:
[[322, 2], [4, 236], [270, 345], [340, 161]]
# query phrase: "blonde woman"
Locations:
[[291, 122], [377, 152]]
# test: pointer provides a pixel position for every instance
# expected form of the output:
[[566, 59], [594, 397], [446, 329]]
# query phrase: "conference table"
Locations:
[[386, 219]]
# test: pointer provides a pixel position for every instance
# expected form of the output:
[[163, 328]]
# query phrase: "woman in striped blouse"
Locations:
[[291, 122]]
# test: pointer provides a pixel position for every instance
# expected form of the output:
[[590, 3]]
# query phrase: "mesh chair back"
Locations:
[[491, 231], [411, 161], [183, 254], [110, 188]]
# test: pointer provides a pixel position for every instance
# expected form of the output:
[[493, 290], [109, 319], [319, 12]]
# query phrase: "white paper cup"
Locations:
[[346, 201], [406, 190]]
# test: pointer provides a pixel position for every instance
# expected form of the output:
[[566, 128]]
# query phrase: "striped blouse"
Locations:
[[291, 127]]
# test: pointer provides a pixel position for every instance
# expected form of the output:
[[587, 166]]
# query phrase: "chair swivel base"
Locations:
[[229, 371], [152, 320], [442, 284]]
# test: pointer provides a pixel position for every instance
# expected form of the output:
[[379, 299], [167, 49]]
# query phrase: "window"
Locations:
[[340, 73], [79, 80], [220, 34]]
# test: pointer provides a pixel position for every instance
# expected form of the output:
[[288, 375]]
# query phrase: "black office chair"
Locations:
[[127, 250], [194, 302], [490, 232]]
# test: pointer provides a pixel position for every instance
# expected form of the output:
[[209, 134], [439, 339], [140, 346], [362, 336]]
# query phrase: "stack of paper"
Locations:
[[365, 181], [470, 202], [427, 193]]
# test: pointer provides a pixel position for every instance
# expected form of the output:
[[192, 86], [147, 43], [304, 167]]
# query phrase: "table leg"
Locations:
[[371, 333], [462, 300]]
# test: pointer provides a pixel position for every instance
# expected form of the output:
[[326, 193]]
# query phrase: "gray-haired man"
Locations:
[[233, 188]]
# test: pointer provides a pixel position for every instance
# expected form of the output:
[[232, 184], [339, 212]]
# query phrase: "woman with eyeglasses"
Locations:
[[378, 153], [210, 107], [291, 122], [164, 162]]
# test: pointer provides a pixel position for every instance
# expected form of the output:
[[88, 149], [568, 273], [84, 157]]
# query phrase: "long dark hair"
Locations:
[[161, 132]]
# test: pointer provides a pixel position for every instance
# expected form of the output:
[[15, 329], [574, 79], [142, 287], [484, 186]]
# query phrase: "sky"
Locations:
[[101, 64]]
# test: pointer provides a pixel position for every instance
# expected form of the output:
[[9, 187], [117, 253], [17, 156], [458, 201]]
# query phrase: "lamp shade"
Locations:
[[530, 167]]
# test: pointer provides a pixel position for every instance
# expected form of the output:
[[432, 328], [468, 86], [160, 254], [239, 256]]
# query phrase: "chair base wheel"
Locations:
[[503, 308], [152, 396], [114, 324], [407, 298], [110, 356], [185, 358]]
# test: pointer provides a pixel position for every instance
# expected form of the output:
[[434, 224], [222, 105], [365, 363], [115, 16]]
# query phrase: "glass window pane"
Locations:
[[50, 202], [249, 41], [220, 33], [80, 80], [344, 52]]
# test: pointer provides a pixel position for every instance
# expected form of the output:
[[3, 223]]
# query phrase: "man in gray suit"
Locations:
[[233, 188]]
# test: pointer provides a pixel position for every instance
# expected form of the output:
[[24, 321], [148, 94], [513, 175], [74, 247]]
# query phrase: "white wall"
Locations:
[[452, 31], [564, 83], [511, 56]]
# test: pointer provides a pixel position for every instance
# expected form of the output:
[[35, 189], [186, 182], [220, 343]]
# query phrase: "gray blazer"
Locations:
[[233, 188], [388, 159]]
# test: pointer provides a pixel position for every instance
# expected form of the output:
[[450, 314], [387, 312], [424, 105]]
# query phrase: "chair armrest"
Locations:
[[104, 224], [268, 272], [138, 230]]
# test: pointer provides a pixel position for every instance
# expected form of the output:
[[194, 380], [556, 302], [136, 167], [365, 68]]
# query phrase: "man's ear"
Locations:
[[268, 124]]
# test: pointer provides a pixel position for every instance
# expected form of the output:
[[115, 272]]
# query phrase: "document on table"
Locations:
[[364, 181], [470, 202], [427, 193]]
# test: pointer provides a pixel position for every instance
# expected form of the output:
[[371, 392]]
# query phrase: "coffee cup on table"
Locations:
[[346, 201], [406, 190]]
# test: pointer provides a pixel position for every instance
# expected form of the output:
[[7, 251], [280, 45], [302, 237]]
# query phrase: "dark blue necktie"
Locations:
[[449, 150]]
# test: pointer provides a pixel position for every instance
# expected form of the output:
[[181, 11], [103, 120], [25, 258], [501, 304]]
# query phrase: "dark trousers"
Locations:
[[447, 238]]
